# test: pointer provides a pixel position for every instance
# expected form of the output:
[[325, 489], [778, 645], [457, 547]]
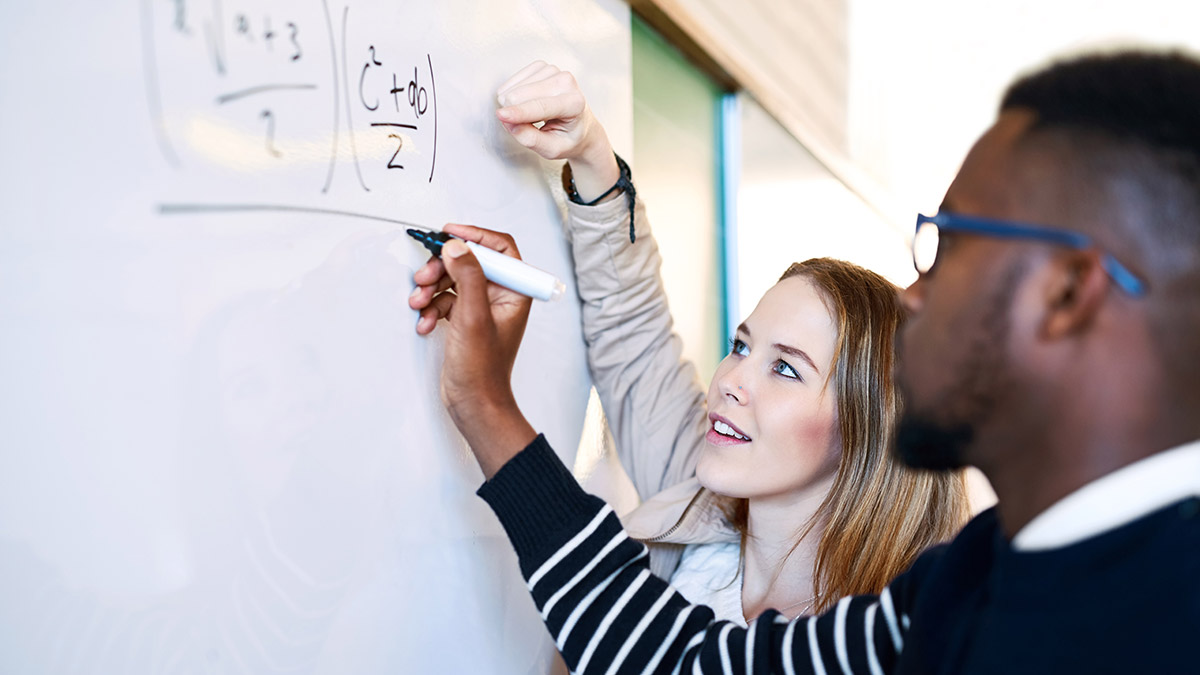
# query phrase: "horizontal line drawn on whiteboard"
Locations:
[[261, 89], [393, 124], [202, 209]]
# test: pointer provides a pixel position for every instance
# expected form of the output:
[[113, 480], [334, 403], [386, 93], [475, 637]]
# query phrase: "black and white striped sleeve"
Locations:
[[608, 614]]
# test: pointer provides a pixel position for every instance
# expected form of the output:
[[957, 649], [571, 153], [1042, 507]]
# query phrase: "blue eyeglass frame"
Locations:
[[1006, 229]]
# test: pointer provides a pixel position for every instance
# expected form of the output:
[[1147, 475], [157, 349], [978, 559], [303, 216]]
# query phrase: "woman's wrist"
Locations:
[[622, 185], [595, 169]]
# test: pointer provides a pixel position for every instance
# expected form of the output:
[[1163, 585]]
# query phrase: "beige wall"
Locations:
[[796, 49]]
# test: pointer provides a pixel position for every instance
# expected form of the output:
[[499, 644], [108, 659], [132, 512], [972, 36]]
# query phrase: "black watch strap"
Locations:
[[624, 183]]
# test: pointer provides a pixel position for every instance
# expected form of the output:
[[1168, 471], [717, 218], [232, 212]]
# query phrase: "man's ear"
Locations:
[[1075, 293]]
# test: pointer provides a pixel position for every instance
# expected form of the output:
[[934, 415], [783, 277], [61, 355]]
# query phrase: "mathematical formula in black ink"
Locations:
[[271, 69]]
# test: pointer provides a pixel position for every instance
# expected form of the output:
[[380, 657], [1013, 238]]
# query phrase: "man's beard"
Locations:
[[924, 444], [940, 437]]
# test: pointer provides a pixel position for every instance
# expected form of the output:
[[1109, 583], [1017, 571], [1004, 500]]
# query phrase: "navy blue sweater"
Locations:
[[1124, 601]]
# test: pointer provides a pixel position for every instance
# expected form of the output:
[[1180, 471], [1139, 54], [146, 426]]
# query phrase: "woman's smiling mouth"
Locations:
[[724, 433]]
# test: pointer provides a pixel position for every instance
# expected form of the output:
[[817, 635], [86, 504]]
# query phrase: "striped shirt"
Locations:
[[978, 604]]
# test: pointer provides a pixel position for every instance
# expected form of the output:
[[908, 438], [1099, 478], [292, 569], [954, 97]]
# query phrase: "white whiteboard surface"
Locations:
[[221, 444]]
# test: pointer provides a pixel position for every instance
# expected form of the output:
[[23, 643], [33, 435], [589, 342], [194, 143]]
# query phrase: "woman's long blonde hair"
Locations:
[[879, 514]]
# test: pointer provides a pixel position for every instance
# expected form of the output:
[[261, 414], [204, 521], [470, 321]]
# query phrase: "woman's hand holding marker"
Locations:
[[541, 93], [484, 326]]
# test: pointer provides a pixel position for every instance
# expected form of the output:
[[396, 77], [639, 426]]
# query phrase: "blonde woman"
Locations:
[[776, 489]]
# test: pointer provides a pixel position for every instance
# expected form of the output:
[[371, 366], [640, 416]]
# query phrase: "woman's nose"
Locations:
[[731, 386]]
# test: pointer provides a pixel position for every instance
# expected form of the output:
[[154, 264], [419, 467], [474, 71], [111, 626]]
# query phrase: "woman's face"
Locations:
[[772, 422]]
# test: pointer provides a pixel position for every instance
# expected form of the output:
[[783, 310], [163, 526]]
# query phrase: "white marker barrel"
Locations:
[[517, 275]]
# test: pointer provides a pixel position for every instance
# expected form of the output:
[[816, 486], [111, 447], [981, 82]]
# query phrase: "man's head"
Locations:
[[1016, 342]]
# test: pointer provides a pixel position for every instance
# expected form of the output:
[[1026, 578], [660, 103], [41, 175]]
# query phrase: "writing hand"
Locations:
[[542, 93], [484, 326]]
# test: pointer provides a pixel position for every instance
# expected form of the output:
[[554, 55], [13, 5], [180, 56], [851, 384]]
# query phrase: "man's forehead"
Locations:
[[987, 181]]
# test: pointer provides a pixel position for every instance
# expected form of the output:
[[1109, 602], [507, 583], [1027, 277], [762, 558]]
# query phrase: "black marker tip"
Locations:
[[430, 239]]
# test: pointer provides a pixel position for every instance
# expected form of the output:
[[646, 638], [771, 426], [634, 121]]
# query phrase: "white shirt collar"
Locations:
[[1115, 499]]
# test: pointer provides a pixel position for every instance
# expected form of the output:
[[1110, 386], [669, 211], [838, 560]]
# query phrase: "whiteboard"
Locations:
[[221, 443]]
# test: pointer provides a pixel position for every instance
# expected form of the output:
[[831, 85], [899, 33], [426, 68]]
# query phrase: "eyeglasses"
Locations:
[[925, 242]]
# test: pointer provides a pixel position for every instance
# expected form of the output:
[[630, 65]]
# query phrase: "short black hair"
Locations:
[[1149, 98], [1135, 113]]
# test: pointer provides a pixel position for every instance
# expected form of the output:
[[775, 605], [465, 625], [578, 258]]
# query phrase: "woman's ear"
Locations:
[[1075, 293]]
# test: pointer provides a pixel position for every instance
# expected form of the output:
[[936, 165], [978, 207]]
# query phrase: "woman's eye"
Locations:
[[785, 369], [738, 347]]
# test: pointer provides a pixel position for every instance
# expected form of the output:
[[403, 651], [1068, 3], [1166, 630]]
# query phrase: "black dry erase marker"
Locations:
[[508, 272]]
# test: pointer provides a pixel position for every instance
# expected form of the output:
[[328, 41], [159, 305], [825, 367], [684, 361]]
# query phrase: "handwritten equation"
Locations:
[[273, 85]]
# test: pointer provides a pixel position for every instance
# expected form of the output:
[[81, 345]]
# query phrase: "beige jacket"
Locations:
[[652, 397]]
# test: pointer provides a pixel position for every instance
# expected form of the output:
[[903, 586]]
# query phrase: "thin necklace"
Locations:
[[803, 611]]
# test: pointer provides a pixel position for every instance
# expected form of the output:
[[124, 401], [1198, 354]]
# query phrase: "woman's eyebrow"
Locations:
[[786, 349], [798, 353]]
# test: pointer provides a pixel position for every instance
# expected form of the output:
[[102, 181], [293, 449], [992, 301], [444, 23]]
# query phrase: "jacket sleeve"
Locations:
[[608, 614], [652, 397]]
